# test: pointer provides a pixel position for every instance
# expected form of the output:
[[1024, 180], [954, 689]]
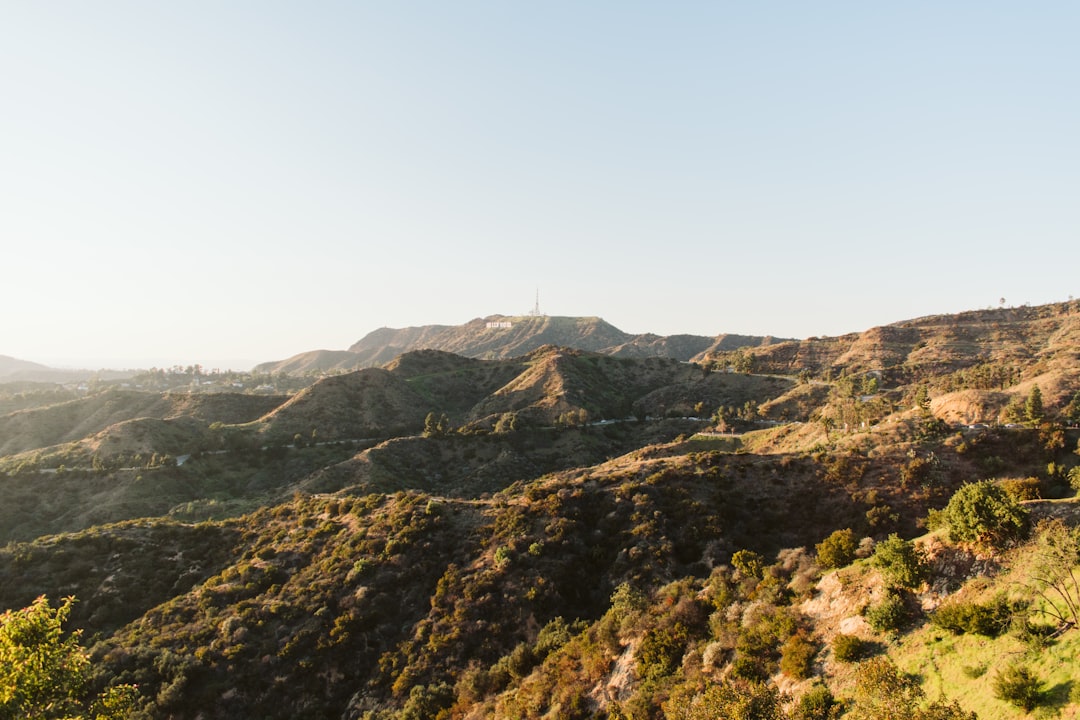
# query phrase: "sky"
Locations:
[[232, 182]]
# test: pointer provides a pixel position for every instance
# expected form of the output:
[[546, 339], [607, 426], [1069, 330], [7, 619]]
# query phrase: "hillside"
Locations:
[[10, 366], [568, 533], [500, 336]]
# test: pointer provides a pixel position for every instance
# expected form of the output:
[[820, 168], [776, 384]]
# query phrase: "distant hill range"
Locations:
[[13, 370], [499, 336]]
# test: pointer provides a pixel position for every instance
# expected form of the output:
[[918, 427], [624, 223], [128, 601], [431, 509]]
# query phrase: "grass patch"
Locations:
[[963, 668], [713, 443]]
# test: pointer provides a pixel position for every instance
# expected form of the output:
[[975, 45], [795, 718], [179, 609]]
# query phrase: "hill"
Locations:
[[500, 336], [10, 366], [13, 370], [568, 533]]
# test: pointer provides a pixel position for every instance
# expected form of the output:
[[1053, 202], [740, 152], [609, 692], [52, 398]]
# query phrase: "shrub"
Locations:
[[849, 648], [900, 562], [749, 563], [989, 619], [837, 550], [797, 656], [1018, 686], [730, 699], [888, 615], [1022, 488], [661, 651], [983, 513], [1074, 477], [816, 704]]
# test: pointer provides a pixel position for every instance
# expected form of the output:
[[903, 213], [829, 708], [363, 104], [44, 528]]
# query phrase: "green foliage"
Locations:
[[1021, 489], [437, 425], [661, 651], [749, 563], [44, 674], [900, 562], [1019, 686], [890, 614], [849, 648], [764, 631], [883, 692], [426, 702], [817, 703], [922, 398], [984, 514], [1074, 478], [797, 656], [736, 698], [838, 549], [1052, 576], [989, 619], [1033, 406]]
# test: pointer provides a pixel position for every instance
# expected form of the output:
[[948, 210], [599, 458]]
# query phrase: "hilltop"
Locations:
[[563, 532], [501, 336]]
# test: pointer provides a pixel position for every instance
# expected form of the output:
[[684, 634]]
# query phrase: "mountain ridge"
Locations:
[[505, 336]]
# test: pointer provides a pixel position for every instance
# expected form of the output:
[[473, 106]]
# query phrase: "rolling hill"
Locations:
[[563, 532]]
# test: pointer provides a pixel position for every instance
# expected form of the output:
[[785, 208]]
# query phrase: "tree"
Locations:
[[922, 398], [883, 692], [837, 550], [734, 698], [436, 425], [1074, 478], [1053, 574], [44, 673], [1072, 410], [1033, 407], [1018, 686], [984, 514], [749, 563], [900, 562]]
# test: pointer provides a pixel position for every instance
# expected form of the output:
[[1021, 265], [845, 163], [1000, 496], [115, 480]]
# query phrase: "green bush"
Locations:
[[849, 648], [797, 656], [989, 619], [837, 550], [888, 615], [1022, 488], [1018, 686], [749, 563], [816, 704], [900, 562], [985, 514]]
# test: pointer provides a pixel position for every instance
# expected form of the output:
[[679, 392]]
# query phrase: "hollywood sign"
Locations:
[[499, 325]]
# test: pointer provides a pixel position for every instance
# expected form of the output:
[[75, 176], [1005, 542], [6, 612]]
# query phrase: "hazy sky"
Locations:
[[234, 182]]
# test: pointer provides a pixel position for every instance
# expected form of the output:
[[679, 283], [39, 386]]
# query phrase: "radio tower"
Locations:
[[536, 308]]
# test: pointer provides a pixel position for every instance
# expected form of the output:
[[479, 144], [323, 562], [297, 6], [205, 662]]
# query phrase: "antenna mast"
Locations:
[[536, 308]]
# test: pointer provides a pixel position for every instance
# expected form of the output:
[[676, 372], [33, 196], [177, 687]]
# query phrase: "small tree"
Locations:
[[984, 514], [900, 562], [837, 550], [733, 698], [44, 673], [749, 563], [1053, 576], [1018, 686], [1033, 406], [922, 399], [797, 656], [883, 692]]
